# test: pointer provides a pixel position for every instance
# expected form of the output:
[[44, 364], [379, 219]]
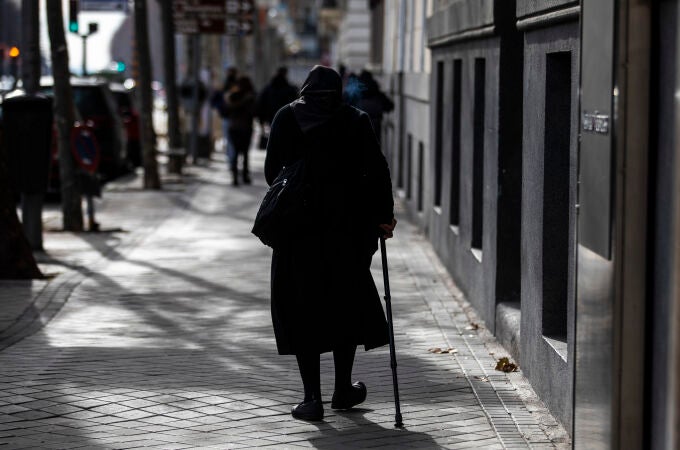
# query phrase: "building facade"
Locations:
[[528, 143]]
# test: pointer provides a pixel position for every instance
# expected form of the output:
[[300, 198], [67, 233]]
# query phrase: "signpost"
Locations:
[[104, 5], [231, 17], [240, 17], [196, 17], [199, 16]]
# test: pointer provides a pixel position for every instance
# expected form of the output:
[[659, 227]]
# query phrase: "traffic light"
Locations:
[[120, 66], [14, 62], [73, 16]]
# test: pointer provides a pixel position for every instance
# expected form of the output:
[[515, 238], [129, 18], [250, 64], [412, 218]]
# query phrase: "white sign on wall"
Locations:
[[104, 5]]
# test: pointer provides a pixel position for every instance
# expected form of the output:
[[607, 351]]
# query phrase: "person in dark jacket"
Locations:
[[229, 83], [323, 297], [364, 92], [240, 108], [278, 93]]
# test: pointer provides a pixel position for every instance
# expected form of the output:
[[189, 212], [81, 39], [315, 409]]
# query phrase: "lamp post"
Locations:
[[92, 28]]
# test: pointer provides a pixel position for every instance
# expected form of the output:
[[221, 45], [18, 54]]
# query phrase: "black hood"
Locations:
[[320, 98]]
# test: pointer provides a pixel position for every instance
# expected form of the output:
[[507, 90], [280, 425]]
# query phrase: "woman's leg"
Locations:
[[246, 149], [346, 395], [309, 366], [344, 361]]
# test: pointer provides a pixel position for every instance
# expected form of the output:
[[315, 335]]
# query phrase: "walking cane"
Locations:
[[393, 356]]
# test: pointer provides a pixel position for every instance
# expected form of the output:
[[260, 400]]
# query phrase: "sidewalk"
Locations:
[[159, 336]]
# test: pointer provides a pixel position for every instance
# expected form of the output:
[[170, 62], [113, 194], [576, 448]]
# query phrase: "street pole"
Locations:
[[195, 107], [84, 66], [92, 28]]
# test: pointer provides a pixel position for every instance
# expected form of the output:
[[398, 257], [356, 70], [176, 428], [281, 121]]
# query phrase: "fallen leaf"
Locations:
[[484, 379], [435, 350], [452, 350], [504, 365], [472, 326]]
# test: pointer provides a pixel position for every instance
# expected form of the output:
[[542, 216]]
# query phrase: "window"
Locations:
[[478, 153], [438, 143], [556, 190], [454, 211], [409, 166], [421, 174]]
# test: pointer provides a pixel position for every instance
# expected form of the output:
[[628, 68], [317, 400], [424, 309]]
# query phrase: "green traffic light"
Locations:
[[73, 27], [120, 66]]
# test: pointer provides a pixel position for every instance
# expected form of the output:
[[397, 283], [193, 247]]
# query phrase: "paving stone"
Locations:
[[160, 337]]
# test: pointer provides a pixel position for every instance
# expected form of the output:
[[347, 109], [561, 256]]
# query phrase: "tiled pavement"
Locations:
[[159, 336]]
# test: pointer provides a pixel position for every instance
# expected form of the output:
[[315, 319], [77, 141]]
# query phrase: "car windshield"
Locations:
[[90, 101]]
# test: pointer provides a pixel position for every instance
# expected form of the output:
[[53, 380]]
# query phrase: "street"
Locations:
[[156, 333]]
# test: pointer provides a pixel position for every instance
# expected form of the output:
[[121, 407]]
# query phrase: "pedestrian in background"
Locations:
[[373, 101], [278, 93], [363, 92], [228, 86], [323, 297], [240, 110]]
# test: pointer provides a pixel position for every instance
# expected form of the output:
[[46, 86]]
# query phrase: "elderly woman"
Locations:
[[323, 295]]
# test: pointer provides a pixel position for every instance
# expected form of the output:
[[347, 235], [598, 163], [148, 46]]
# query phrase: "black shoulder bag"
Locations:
[[284, 208]]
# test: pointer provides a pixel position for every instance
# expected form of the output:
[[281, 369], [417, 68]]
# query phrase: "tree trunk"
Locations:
[[64, 117], [151, 177], [30, 67], [16, 257], [170, 62]]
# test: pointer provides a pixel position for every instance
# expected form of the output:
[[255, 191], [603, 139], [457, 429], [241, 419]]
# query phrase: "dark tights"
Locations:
[[310, 371]]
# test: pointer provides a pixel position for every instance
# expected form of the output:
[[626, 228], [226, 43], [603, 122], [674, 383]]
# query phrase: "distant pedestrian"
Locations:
[[278, 93], [323, 297], [229, 84], [364, 92], [240, 110]]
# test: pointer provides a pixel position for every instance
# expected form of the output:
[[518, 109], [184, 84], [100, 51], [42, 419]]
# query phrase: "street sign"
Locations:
[[199, 16], [236, 26], [104, 5], [240, 7], [85, 148], [240, 17]]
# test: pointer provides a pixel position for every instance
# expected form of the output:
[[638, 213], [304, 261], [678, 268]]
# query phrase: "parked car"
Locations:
[[128, 112], [97, 109]]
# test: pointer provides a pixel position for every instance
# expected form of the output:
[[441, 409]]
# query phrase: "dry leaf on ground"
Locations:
[[440, 351], [504, 365]]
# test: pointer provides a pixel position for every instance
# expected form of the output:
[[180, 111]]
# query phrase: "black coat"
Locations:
[[323, 294]]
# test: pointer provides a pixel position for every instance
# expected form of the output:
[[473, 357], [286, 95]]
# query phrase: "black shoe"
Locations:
[[311, 410], [350, 398], [246, 179]]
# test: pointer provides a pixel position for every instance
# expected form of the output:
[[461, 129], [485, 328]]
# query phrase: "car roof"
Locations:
[[48, 81]]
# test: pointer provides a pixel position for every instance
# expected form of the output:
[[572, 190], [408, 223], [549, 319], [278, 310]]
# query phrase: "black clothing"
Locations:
[[323, 294], [277, 94], [240, 109], [320, 98], [368, 97]]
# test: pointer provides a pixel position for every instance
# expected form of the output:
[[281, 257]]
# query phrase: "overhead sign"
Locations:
[[104, 5], [199, 16], [240, 17], [240, 7], [237, 26]]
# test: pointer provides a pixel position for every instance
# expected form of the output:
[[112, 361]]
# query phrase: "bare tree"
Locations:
[[64, 117], [30, 73], [151, 176], [169, 61]]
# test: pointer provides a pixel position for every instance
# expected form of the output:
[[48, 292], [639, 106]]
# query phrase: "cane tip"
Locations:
[[399, 425]]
